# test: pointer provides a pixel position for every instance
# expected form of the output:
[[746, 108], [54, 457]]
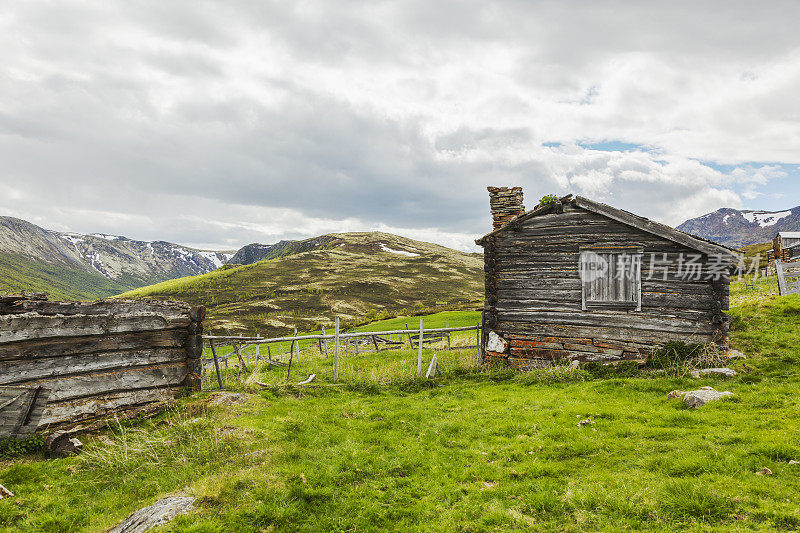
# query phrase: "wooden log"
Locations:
[[15, 328], [23, 371], [83, 410], [152, 376], [57, 347], [99, 307]]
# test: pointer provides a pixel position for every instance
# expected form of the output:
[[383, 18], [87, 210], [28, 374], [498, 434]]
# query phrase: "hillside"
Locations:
[[356, 276], [252, 253], [736, 229], [73, 265]]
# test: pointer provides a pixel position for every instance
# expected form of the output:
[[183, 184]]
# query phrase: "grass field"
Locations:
[[473, 450]]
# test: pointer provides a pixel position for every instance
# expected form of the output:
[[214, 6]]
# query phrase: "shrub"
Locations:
[[548, 199], [622, 369], [678, 358], [673, 354], [13, 447]]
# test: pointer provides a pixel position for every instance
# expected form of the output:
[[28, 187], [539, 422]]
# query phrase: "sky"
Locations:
[[217, 124]]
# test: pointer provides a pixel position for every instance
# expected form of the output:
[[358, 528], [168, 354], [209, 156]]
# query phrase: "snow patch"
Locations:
[[765, 218], [106, 237], [213, 257], [401, 252]]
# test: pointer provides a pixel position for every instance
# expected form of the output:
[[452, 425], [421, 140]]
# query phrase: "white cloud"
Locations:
[[220, 123]]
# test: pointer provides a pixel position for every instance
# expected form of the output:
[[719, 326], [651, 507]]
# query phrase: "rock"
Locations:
[[228, 398], [157, 514], [60, 444], [585, 422], [574, 364], [5, 493], [496, 343], [728, 372], [700, 397], [105, 440], [764, 472], [734, 354], [675, 394], [793, 462]]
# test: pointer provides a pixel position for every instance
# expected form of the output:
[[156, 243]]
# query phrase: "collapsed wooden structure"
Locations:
[[74, 364], [546, 297]]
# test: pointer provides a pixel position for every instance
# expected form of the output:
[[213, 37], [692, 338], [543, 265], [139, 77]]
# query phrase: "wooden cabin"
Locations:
[[578, 279], [786, 246]]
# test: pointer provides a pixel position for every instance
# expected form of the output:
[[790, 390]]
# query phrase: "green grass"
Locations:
[[60, 282], [352, 277], [473, 450]]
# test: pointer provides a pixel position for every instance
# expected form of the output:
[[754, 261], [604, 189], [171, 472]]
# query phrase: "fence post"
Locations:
[[419, 353], [410, 342], [298, 345], [325, 343], [447, 326], [258, 353], [478, 341], [336, 351], [216, 363]]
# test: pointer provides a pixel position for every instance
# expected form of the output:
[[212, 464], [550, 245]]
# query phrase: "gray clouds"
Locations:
[[222, 123]]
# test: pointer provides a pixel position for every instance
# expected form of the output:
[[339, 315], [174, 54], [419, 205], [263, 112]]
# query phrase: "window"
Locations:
[[611, 278]]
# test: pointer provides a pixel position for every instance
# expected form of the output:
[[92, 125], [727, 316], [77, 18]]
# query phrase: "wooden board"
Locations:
[[15, 328], [21, 410]]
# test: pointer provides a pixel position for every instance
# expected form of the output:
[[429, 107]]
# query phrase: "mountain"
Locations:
[[357, 276], [736, 229], [73, 265], [255, 252]]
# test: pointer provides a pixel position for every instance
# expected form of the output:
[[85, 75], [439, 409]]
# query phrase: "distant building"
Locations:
[[577, 279], [786, 246]]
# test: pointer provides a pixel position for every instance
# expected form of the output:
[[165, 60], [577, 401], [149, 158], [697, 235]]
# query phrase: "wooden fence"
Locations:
[[373, 341], [788, 277], [71, 364]]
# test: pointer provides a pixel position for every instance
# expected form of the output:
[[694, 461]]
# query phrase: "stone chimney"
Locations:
[[505, 203]]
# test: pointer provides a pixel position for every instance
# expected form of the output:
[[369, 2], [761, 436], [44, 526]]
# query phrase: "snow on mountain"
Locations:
[[126, 261], [737, 228], [765, 218]]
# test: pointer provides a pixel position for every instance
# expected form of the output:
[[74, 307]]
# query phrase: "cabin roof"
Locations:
[[644, 224], [789, 234]]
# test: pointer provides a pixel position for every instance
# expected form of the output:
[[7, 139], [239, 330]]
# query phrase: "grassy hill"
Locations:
[[60, 281], [358, 276]]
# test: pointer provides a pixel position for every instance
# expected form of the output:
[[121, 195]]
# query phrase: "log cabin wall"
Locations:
[[99, 359], [534, 297]]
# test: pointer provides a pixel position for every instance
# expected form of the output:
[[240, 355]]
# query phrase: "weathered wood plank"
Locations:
[[85, 409], [29, 370], [104, 382], [57, 347], [99, 307], [14, 328]]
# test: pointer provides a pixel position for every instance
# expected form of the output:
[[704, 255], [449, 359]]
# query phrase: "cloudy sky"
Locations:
[[216, 124]]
